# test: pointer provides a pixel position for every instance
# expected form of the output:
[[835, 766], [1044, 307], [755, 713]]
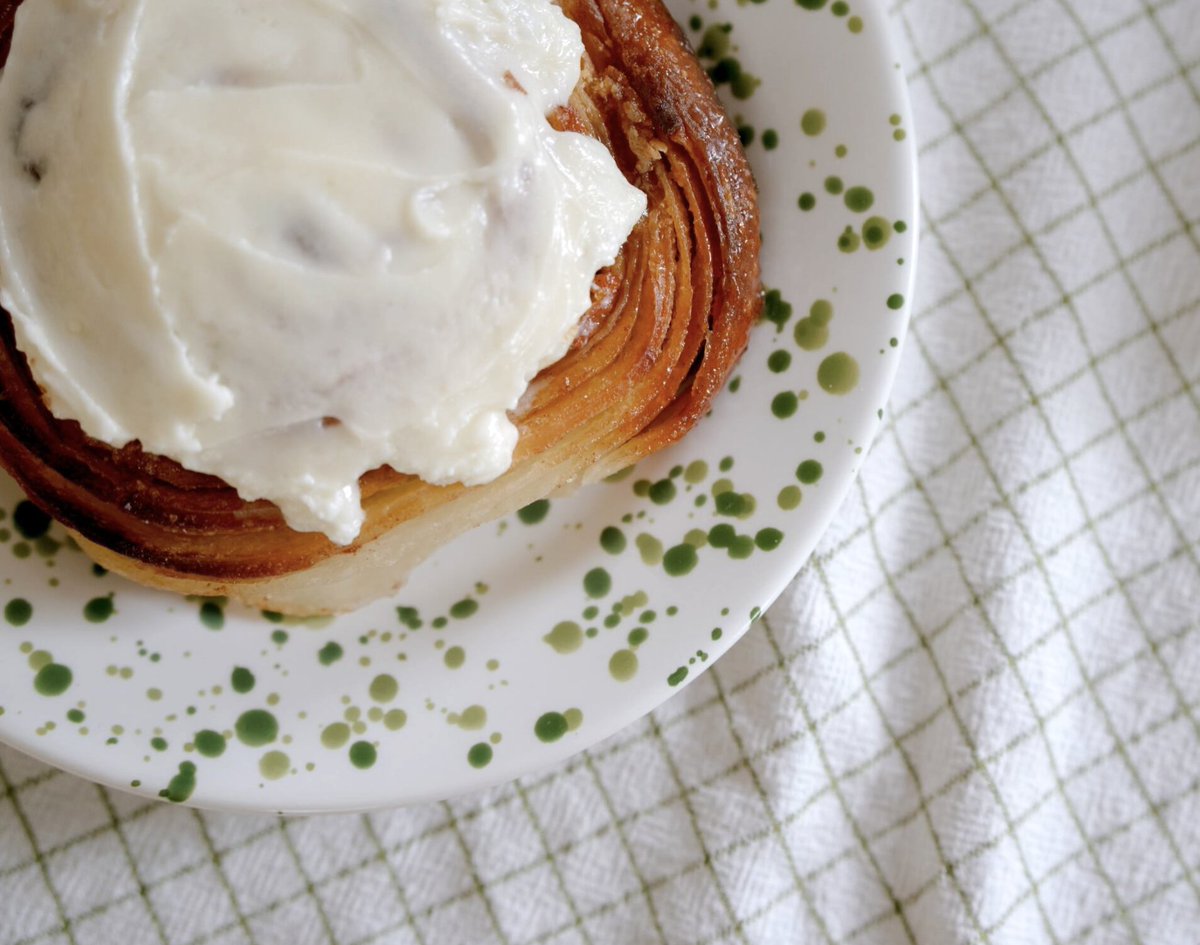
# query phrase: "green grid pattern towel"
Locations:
[[973, 717]]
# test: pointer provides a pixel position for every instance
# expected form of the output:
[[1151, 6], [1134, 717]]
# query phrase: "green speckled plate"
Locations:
[[534, 637]]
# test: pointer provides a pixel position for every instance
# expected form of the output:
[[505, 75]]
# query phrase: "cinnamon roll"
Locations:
[[667, 321]]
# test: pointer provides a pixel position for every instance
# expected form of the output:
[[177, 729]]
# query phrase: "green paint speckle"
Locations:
[[770, 139], [623, 665], [464, 608], [715, 42], [721, 536], [741, 547], [181, 787], [550, 727], [855, 24], [256, 727], [678, 676], [455, 657], [383, 688], [274, 765], [742, 84], [838, 374], [768, 539], [75, 715], [876, 232], [410, 617], [53, 679], [628, 604], [18, 612], [534, 512], [393, 720], [736, 504], [849, 241], [330, 653], [779, 361], [597, 583], [638, 636], [813, 121], [789, 497], [279, 637], [726, 70], [650, 549], [895, 301], [363, 755], [472, 718], [479, 755], [662, 492], [775, 309], [38, 658], [566, 637], [98, 609], [158, 743], [833, 185], [859, 199], [785, 404], [335, 735], [612, 540], [696, 472], [806, 201], [809, 471], [812, 333], [680, 560], [212, 615], [209, 743], [241, 680]]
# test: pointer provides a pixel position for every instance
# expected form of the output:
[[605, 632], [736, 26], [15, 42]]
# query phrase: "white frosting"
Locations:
[[226, 223]]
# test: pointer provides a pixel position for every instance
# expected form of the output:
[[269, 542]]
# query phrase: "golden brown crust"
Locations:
[[668, 321]]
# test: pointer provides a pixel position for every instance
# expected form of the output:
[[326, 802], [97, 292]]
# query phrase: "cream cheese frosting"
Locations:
[[285, 242]]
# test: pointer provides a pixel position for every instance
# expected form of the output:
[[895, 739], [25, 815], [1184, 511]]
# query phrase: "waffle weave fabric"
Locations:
[[974, 716]]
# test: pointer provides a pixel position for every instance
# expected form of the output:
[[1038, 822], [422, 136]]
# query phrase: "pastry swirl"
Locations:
[[667, 323]]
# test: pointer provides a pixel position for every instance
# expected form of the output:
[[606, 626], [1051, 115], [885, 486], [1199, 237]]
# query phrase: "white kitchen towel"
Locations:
[[974, 717]]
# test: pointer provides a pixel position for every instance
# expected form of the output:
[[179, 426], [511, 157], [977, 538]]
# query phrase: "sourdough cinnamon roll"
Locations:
[[155, 394]]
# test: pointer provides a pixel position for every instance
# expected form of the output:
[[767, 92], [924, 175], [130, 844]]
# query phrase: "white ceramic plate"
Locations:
[[535, 637]]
